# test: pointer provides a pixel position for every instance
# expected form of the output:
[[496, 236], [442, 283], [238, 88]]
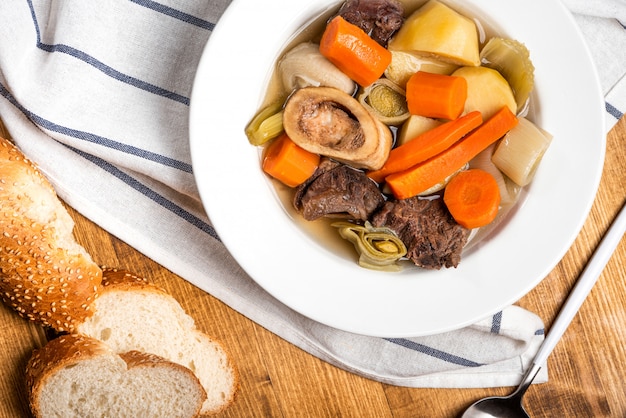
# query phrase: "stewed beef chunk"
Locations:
[[378, 18], [336, 190], [432, 237]]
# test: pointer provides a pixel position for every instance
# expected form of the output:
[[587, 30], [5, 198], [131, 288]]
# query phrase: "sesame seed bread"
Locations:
[[45, 275], [133, 314], [78, 376]]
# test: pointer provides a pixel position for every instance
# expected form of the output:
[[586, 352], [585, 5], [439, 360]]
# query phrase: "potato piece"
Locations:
[[487, 91], [438, 31], [415, 125]]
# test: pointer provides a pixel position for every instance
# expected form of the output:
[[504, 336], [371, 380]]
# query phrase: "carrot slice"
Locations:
[[473, 198], [354, 52], [422, 176], [436, 95], [427, 145], [287, 162]]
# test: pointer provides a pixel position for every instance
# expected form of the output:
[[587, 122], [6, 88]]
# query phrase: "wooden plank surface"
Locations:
[[587, 369]]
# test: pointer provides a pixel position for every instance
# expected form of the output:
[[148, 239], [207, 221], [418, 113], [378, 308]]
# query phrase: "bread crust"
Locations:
[[44, 274]]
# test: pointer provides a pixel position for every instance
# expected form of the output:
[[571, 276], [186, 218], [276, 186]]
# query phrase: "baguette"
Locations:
[[134, 314], [45, 275], [77, 376]]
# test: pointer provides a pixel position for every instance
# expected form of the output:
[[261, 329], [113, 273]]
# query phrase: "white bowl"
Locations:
[[328, 286]]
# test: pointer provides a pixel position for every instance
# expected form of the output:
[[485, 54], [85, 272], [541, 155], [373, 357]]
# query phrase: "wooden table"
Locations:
[[587, 369]]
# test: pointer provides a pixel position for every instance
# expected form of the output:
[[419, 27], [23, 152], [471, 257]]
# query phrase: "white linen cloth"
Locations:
[[98, 95]]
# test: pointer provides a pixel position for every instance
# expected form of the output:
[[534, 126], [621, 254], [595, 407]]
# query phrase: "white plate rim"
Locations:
[[336, 292]]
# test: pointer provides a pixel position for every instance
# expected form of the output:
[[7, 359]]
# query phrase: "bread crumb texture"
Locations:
[[45, 275], [78, 376], [134, 314]]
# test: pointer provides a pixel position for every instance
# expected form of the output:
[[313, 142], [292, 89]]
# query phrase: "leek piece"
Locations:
[[511, 58], [520, 151], [386, 101], [404, 64], [378, 248], [266, 125]]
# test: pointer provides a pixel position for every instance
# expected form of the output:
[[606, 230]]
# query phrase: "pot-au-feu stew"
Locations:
[[406, 124]]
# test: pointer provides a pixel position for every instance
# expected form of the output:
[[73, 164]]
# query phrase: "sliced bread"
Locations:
[[74, 376], [133, 314]]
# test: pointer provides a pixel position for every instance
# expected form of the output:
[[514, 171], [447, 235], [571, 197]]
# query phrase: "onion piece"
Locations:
[[305, 66]]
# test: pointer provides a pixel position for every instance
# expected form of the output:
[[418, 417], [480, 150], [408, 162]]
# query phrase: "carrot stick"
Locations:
[[473, 198], [354, 52], [422, 176], [287, 162], [436, 95], [427, 145]]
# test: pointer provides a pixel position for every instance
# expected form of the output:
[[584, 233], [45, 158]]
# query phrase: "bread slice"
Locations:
[[45, 275], [133, 314], [78, 376]]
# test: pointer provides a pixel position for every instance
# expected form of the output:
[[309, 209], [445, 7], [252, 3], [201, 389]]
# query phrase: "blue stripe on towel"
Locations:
[[441, 355], [96, 139], [176, 14], [496, 322], [613, 111], [109, 71], [149, 193]]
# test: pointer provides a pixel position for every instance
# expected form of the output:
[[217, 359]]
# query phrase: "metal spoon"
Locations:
[[511, 406]]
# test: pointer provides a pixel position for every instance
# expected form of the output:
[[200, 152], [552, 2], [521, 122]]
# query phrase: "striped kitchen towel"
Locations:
[[603, 24], [97, 94]]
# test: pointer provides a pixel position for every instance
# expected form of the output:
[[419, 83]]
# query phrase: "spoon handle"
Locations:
[[584, 285]]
